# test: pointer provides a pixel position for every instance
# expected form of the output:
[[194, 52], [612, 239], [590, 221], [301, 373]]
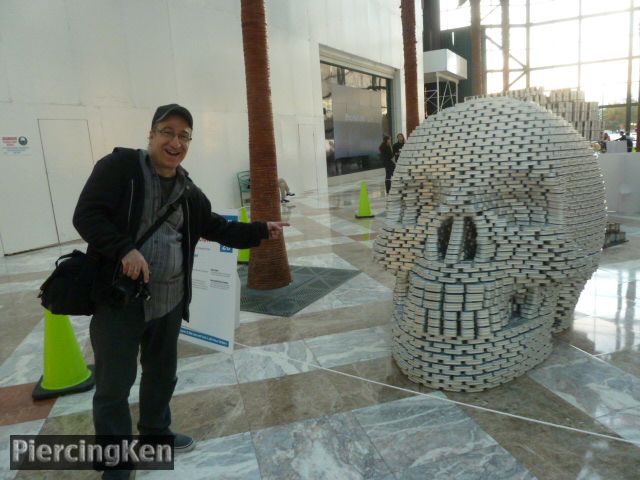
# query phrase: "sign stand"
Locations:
[[215, 302]]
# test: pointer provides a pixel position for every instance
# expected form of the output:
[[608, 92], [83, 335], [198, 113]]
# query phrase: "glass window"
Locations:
[[555, 78], [490, 13], [553, 10], [605, 83], [356, 108], [517, 83], [494, 82], [601, 6], [518, 46], [492, 51], [554, 44], [517, 12], [452, 16], [615, 44], [636, 33]]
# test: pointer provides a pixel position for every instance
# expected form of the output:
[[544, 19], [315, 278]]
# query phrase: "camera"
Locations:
[[125, 290]]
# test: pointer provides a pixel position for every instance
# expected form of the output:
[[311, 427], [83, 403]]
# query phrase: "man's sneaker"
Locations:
[[290, 194], [284, 200], [183, 443]]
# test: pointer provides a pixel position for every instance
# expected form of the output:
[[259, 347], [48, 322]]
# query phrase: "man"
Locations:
[[125, 194], [628, 140]]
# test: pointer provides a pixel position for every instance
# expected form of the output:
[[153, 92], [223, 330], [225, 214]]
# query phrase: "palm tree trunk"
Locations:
[[476, 49], [268, 267], [408, 15]]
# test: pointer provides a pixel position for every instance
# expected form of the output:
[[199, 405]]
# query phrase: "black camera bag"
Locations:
[[67, 291]]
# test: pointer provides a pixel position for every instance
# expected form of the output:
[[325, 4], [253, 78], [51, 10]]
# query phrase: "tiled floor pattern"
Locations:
[[274, 410]]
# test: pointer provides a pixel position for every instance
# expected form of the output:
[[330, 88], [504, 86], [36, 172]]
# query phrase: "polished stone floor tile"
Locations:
[[350, 347], [591, 385], [319, 242], [327, 260], [290, 399], [18, 405], [37, 261], [25, 364], [20, 312], [189, 349], [548, 452], [231, 458], [23, 428], [599, 336], [626, 360], [551, 453], [625, 423], [278, 329], [615, 309], [80, 423], [207, 414], [488, 463], [329, 447], [80, 402], [204, 372], [361, 289], [341, 226], [364, 237], [370, 382], [253, 317], [25, 286], [426, 434], [273, 361]]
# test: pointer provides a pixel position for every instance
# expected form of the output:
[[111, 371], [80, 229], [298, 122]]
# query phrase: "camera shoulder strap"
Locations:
[[170, 209]]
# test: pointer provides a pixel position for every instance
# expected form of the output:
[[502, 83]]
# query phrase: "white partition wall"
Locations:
[[110, 63], [68, 162]]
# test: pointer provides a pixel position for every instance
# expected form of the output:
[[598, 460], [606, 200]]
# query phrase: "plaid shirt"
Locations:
[[163, 250]]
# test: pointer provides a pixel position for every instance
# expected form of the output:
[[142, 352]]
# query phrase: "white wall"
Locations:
[[112, 62], [621, 172]]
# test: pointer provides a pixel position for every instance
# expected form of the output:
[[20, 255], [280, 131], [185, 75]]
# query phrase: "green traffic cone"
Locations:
[[364, 211], [65, 370], [245, 253]]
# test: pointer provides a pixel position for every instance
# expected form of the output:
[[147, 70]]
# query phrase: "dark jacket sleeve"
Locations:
[[231, 234], [95, 213]]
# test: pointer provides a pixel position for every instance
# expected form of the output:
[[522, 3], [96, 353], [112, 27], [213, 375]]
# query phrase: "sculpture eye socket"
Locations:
[[469, 239], [444, 235]]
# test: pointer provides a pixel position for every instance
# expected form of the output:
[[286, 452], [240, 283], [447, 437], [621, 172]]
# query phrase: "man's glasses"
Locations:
[[183, 137]]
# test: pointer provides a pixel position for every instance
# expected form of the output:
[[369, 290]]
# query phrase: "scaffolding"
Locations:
[[443, 69]]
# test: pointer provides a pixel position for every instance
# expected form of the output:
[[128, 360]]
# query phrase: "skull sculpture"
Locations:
[[496, 218]]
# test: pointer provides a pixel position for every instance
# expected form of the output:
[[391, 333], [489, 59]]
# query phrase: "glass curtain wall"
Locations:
[[593, 45], [357, 113]]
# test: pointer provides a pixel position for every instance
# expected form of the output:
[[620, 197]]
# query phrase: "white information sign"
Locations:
[[215, 303], [15, 145]]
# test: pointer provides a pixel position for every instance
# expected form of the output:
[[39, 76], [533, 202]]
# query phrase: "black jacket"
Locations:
[[110, 208]]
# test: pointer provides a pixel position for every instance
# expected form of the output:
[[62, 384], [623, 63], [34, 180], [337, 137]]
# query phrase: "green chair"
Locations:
[[244, 183]]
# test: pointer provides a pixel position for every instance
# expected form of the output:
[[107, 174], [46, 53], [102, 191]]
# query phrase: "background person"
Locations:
[[284, 190], [397, 147], [126, 192], [386, 154]]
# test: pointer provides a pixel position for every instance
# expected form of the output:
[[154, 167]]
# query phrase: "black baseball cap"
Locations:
[[165, 111]]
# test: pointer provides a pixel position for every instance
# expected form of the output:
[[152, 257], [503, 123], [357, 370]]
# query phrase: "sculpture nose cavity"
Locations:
[[457, 239]]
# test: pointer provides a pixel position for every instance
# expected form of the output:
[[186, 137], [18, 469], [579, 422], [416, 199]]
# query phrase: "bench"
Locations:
[[244, 184]]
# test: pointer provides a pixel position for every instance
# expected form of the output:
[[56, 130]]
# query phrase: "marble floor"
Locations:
[[317, 395]]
